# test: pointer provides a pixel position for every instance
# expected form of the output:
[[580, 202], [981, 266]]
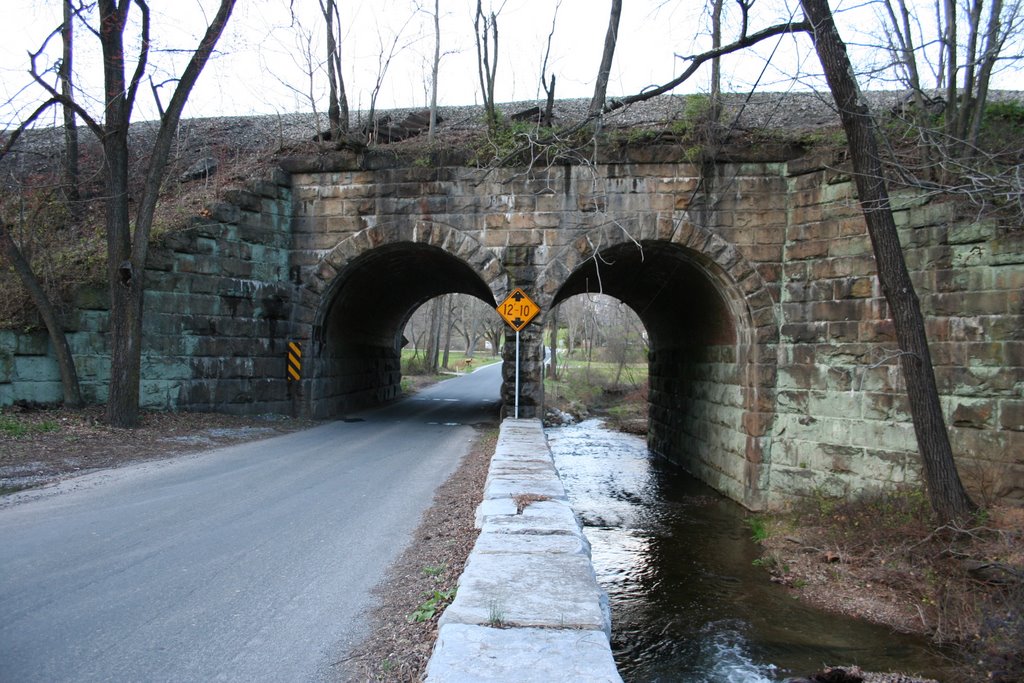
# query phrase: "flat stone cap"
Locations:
[[528, 607], [466, 653]]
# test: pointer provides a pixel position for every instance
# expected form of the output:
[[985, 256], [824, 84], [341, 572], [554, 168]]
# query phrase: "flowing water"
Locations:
[[687, 601]]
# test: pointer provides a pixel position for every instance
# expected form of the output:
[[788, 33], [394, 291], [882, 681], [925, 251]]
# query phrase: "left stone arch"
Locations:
[[366, 288]]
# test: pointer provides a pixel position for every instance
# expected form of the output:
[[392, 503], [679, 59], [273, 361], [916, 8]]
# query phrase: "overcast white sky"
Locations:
[[261, 65]]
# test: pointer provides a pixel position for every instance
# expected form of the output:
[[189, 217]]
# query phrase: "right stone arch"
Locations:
[[712, 333]]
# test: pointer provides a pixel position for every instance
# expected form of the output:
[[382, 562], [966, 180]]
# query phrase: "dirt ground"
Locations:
[[882, 559], [41, 446]]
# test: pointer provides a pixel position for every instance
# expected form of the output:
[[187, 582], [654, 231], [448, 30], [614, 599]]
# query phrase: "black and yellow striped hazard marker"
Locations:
[[294, 361]]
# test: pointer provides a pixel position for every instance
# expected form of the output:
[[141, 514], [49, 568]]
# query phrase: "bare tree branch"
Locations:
[[696, 61]]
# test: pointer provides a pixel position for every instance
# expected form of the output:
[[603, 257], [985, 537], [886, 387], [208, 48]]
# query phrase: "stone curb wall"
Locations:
[[528, 607]]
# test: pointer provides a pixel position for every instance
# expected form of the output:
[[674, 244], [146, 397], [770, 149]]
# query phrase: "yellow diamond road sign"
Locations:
[[518, 309]]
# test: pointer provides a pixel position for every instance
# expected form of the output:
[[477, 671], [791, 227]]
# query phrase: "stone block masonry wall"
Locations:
[[218, 308], [843, 422], [28, 367], [217, 318], [696, 416]]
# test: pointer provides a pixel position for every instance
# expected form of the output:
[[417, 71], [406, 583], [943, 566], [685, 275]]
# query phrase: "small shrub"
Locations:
[[1009, 112], [435, 604], [15, 428], [759, 528], [435, 570], [12, 427], [495, 614], [697, 107]]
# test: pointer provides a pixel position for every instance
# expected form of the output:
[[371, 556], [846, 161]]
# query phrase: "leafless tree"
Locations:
[[553, 343], [387, 50], [946, 493], [9, 248], [127, 240], [472, 316], [435, 66], [610, 40], [549, 83], [485, 27], [623, 335], [716, 63], [436, 318], [65, 74], [337, 107], [972, 38], [51, 319]]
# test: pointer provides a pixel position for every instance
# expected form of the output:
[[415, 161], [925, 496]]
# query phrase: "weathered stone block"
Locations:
[[1011, 414], [6, 367], [31, 344]]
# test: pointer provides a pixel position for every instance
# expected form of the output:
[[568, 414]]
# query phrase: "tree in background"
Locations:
[[715, 110], [553, 343], [337, 105], [435, 66], [549, 83], [485, 28], [9, 247], [65, 75], [10, 250], [435, 320], [607, 54], [948, 74]]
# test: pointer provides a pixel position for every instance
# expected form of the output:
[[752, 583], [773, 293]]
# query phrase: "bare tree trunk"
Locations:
[[434, 69], [549, 85], [127, 249], [434, 338], [337, 106], [970, 70], [553, 346], [70, 124], [472, 336], [495, 334], [949, 42], [715, 111], [65, 360], [610, 39], [487, 64], [449, 323], [125, 283], [946, 492], [993, 45]]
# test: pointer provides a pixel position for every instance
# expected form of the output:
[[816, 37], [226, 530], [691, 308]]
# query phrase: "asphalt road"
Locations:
[[248, 563]]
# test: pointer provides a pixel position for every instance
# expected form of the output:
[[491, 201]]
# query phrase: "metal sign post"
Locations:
[[517, 310], [517, 374]]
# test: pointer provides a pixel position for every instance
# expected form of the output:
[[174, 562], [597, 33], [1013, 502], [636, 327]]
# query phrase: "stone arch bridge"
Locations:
[[772, 364]]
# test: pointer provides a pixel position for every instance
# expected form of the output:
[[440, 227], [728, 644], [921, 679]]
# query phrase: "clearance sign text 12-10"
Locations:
[[517, 309]]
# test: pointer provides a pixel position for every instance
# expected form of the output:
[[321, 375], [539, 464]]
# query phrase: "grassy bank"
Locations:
[[416, 376], [616, 393]]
